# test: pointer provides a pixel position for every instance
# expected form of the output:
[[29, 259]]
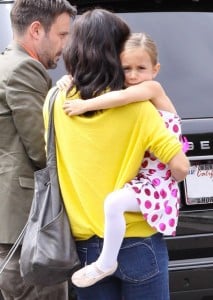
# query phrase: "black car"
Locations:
[[183, 32]]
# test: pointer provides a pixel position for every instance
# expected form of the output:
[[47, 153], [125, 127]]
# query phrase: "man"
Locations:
[[40, 29]]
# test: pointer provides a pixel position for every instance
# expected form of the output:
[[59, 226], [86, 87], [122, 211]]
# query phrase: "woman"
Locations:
[[99, 152], [154, 191]]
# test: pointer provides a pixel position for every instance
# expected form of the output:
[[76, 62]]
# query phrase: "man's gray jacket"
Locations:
[[24, 83]]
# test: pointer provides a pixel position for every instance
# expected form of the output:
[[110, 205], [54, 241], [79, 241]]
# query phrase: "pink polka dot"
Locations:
[[153, 158], [152, 171], [175, 128], [174, 233], [136, 189], [144, 164], [156, 181], [161, 166], [163, 194], [172, 222], [156, 195], [168, 174], [168, 210], [139, 201], [148, 204], [162, 226], [170, 186], [147, 192], [167, 124], [147, 154], [157, 206], [154, 218], [174, 192]]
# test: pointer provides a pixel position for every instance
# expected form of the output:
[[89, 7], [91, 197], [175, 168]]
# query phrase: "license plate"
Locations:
[[199, 183]]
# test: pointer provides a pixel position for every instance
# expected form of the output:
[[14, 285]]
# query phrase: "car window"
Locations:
[[5, 26]]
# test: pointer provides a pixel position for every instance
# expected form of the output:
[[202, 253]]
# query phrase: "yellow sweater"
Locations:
[[99, 154]]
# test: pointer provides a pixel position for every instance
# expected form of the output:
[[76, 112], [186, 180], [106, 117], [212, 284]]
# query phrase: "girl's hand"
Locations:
[[64, 82], [75, 107]]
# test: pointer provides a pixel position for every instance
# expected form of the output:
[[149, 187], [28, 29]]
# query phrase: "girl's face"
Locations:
[[137, 66]]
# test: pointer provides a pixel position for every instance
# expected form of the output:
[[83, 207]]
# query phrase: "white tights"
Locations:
[[115, 205]]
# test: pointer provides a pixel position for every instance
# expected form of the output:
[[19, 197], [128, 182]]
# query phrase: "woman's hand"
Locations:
[[75, 107]]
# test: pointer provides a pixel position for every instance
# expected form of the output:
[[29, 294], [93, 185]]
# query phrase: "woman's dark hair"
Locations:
[[92, 52]]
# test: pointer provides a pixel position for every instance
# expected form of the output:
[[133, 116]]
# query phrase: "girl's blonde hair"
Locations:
[[144, 41]]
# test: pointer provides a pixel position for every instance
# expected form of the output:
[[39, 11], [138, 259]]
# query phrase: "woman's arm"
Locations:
[[147, 90]]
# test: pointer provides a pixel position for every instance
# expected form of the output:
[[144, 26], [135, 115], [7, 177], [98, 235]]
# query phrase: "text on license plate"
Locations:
[[199, 184]]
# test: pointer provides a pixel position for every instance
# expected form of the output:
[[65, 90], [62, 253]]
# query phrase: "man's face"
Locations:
[[52, 43]]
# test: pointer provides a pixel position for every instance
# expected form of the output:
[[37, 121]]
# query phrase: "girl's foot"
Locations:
[[90, 274]]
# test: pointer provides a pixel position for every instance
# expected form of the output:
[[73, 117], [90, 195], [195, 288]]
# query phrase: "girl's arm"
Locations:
[[147, 90], [179, 166], [64, 82]]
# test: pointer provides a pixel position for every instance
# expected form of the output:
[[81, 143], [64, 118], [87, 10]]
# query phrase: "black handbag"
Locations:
[[48, 253]]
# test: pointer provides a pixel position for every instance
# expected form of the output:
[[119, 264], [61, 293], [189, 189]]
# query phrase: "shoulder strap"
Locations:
[[51, 153], [13, 249]]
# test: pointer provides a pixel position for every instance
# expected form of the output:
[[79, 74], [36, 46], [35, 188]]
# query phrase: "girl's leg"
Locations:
[[108, 289], [116, 204]]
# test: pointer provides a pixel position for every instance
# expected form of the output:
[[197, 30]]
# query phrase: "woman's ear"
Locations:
[[156, 70]]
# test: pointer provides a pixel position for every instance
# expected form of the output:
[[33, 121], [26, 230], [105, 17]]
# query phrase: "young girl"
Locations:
[[153, 191]]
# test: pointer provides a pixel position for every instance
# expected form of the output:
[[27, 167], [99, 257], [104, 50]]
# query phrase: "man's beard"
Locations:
[[51, 64]]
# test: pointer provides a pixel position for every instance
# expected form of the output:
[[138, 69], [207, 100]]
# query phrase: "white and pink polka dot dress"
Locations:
[[156, 191]]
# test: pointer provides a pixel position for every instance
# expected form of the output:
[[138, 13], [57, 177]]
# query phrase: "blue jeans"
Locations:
[[142, 272]]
